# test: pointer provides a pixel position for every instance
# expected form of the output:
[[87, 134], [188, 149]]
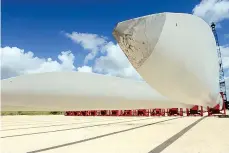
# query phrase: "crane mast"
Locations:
[[222, 82]]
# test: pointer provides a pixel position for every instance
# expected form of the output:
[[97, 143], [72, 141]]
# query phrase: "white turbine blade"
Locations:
[[175, 54], [61, 91]]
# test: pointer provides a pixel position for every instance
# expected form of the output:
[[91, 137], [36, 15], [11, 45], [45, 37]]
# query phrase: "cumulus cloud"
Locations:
[[90, 42], [115, 63], [225, 57], [15, 61], [112, 62], [85, 69], [212, 10]]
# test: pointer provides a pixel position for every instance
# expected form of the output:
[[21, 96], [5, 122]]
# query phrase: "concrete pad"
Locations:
[[67, 127], [34, 124], [43, 140], [103, 138], [209, 136], [141, 140]]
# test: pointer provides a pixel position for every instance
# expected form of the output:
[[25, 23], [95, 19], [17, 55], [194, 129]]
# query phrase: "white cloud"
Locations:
[[15, 61], [212, 10], [90, 42], [225, 57], [85, 69], [112, 62], [115, 63]]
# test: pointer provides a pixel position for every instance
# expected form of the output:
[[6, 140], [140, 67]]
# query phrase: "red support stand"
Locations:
[[115, 112], [77, 113], [195, 111], [216, 110], [175, 112], [69, 113], [181, 112], [92, 113], [141, 112], [127, 113], [157, 112], [103, 113], [84, 113]]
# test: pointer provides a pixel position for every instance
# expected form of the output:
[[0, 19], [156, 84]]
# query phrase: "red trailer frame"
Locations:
[[93, 113], [115, 112], [175, 112], [84, 113], [216, 110], [141, 112], [69, 113], [157, 112], [76, 113], [103, 113], [127, 113], [195, 111]]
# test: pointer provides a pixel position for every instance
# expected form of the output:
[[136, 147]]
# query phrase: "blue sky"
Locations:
[[33, 31], [36, 25], [40, 26]]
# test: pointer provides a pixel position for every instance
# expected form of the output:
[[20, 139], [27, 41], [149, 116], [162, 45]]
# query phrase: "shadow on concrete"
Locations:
[[223, 116], [125, 121], [52, 125], [172, 139], [97, 137]]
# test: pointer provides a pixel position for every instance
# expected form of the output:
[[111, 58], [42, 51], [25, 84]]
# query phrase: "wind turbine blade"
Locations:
[[61, 91], [175, 54]]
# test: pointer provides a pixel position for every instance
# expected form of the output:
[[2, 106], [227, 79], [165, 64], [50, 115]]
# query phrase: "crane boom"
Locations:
[[222, 82]]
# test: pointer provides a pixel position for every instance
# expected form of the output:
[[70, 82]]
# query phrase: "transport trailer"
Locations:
[[103, 113], [141, 112], [77, 113], [115, 113], [195, 111], [93, 113], [84, 113], [216, 110], [74, 113], [212, 111], [157, 112], [175, 112], [69, 113], [127, 113]]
